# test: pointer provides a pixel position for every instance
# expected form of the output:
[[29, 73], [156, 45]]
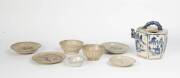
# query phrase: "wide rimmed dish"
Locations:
[[49, 57], [25, 47], [121, 61], [115, 47]]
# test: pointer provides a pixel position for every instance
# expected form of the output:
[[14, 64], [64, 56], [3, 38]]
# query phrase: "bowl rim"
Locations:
[[64, 41], [92, 45]]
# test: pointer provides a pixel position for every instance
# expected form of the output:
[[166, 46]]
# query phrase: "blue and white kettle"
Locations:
[[150, 41]]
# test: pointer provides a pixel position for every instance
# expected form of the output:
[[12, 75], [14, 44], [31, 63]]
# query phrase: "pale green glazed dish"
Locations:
[[115, 47], [48, 57], [25, 47]]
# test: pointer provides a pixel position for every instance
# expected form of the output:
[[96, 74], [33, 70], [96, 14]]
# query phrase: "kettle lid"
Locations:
[[150, 29]]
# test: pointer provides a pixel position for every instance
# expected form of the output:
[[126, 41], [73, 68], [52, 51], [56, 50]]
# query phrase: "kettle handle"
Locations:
[[153, 23]]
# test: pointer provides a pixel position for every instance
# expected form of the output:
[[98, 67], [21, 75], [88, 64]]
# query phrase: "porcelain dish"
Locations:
[[115, 47], [48, 57], [121, 61]]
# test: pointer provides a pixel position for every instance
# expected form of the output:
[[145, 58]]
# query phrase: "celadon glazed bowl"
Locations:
[[93, 52], [71, 46]]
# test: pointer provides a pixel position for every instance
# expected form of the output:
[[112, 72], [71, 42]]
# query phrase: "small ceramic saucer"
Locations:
[[25, 47], [121, 61], [115, 47], [49, 57]]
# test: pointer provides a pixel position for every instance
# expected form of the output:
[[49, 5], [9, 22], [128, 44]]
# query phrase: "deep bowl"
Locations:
[[71, 46], [93, 52]]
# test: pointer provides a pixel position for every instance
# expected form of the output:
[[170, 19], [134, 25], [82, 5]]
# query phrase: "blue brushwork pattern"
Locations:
[[156, 44]]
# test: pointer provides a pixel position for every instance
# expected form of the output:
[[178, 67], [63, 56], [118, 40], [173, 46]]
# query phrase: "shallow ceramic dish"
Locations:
[[93, 52], [25, 47], [70, 46], [74, 60], [121, 61], [115, 47], [49, 57]]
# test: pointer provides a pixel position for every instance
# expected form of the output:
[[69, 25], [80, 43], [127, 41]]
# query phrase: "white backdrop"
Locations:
[[92, 21]]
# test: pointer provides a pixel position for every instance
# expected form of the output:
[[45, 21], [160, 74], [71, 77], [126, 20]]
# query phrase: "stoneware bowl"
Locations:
[[74, 60], [25, 47], [93, 52], [121, 61], [115, 47], [70, 46], [48, 57]]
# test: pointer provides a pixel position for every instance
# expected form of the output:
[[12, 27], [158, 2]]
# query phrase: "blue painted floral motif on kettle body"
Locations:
[[156, 44], [150, 45], [140, 42]]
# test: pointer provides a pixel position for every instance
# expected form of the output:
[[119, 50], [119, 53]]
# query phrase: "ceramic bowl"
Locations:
[[74, 60], [25, 47], [93, 52], [121, 61], [115, 47], [48, 57], [71, 45]]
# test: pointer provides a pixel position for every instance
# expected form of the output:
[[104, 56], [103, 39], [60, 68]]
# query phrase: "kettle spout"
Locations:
[[133, 33]]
